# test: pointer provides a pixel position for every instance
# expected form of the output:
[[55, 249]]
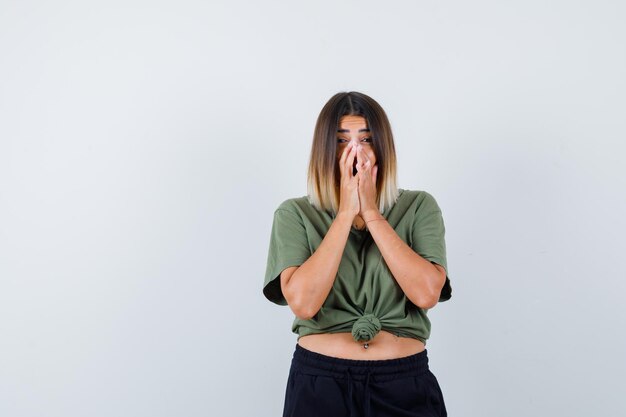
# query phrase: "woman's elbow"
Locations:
[[426, 301], [430, 302], [298, 306], [302, 309]]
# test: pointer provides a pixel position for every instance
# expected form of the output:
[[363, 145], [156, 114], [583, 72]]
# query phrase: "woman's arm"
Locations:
[[420, 279], [307, 287]]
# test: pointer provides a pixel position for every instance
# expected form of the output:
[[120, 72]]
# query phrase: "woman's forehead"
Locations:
[[352, 122]]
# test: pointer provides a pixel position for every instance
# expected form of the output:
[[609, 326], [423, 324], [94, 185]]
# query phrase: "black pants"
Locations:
[[326, 386]]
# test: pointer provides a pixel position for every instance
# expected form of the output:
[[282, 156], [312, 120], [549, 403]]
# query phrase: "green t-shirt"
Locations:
[[365, 297]]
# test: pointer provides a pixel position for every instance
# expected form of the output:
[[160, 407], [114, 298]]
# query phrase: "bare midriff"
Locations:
[[384, 345]]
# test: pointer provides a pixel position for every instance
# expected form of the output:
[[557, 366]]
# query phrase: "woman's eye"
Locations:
[[368, 139]]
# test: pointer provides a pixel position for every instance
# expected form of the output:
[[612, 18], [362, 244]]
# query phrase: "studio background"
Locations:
[[145, 145]]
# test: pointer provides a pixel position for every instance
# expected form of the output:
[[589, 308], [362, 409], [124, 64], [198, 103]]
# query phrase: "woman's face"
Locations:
[[355, 129]]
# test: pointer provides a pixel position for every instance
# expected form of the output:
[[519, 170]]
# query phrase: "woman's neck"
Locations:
[[358, 222]]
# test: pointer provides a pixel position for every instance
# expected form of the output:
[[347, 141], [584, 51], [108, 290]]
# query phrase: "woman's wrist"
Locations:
[[372, 215], [345, 217]]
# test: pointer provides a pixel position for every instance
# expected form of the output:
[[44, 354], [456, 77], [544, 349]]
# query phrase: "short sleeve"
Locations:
[[288, 247], [428, 238]]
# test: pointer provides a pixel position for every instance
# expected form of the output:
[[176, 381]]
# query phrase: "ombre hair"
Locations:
[[324, 175]]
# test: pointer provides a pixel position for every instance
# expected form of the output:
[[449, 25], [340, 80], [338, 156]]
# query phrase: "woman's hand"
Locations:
[[349, 183], [367, 184]]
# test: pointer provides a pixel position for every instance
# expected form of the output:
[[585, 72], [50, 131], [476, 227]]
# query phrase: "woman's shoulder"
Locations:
[[420, 197], [297, 205], [422, 200]]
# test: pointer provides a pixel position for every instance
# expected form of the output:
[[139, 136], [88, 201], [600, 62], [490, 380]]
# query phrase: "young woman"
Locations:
[[360, 262]]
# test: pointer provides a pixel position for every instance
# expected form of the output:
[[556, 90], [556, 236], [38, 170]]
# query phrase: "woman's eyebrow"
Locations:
[[348, 131]]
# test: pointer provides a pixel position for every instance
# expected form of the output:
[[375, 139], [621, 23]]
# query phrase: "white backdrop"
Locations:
[[144, 146]]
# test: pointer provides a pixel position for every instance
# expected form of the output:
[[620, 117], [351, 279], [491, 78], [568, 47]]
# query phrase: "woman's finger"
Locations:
[[344, 154], [343, 158], [363, 159], [350, 162]]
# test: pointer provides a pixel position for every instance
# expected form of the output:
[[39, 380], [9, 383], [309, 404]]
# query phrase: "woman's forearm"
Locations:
[[311, 283], [418, 277]]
